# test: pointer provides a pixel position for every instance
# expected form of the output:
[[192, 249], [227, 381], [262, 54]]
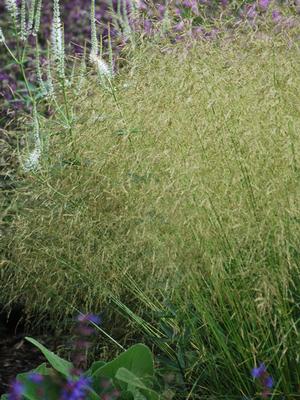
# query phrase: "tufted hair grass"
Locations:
[[190, 170]]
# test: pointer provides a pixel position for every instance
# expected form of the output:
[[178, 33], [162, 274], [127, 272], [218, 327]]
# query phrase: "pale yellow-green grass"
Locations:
[[192, 170]]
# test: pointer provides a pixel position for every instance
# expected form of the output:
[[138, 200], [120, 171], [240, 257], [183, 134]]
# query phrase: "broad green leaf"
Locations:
[[42, 369], [126, 395], [34, 391], [59, 364], [124, 375], [137, 395], [94, 367], [134, 383], [92, 395], [137, 359]]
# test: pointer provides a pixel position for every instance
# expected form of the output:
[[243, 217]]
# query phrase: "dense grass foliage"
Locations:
[[187, 182], [160, 182]]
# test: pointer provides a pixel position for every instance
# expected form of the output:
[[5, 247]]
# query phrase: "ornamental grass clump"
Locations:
[[191, 196], [179, 184], [153, 185]]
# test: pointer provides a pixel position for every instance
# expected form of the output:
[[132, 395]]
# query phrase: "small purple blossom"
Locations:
[[76, 389], [177, 11], [258, 372], [82, 342], [264, 4], [147, 26], [142, 6], [276, 16], [269, 382], [35, 377], [264, 378], [224, 3], [179, 27], [251, 11], [89, 318], [16, 390], [161, 10]]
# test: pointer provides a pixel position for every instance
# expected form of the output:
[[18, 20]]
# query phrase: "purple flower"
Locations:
[[264, 4], [35, 377], [197, 32], [84, 331], [224, 3], [161, 10], [147, 26], [268, 382], [178, 12], [76, 389], [251, 11], [142, 6], [259, 372], [188, 3], [179, 27], [16, 390], [89, 318], [265, 380], [276, 16]]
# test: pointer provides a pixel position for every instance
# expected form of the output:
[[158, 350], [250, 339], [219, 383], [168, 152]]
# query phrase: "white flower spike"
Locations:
[[2, 38]]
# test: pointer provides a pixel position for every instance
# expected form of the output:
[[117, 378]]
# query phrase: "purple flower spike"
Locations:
[[161, 10], [178, 12], [179, 27], [142, 6], [251, 11], [95, 319], [147, 26], [268, 382], [16, 391], [259, 372], [89, 317], [76, 390], [264, 378], [264, 4], [276, 16]]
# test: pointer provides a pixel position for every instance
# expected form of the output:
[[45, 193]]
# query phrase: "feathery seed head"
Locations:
[[37, 19], [94, 40], [103, 69], [23, 31], [57, 36]]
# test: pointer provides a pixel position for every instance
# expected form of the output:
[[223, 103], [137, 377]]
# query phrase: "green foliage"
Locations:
[[131, 373], [134, 368], [197, 202], [60, 365]]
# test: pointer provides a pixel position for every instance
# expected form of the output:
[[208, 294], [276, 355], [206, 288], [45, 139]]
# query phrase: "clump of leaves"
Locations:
[[129, 376]]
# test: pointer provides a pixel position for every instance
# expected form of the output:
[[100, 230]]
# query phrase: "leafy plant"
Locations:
[[128, 376]]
